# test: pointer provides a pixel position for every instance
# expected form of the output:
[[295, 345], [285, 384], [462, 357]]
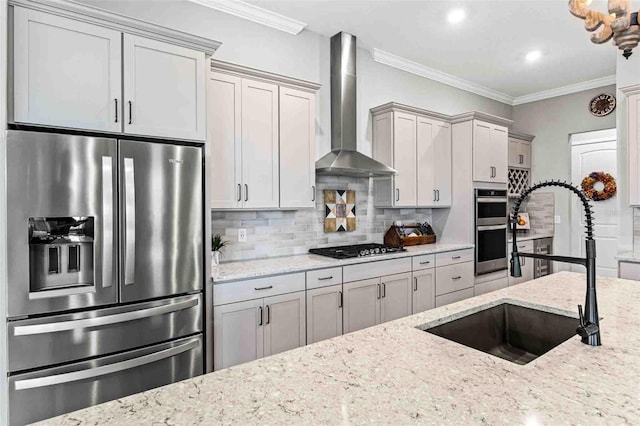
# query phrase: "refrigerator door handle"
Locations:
[[75, 376], [107, 221], [53, 327], [130, 222]]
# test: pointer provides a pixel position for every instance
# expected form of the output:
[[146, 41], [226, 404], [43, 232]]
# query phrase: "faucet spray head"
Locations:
[[516, 270]]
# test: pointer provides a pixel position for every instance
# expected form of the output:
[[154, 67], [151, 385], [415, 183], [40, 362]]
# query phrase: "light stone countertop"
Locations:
[[238, 270], [395, 373], [628, 256]]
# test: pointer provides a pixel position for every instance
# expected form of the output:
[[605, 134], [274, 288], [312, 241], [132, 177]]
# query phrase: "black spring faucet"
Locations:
[[589, 328]]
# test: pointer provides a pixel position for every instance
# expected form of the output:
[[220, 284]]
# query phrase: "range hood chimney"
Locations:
[[344, 159]]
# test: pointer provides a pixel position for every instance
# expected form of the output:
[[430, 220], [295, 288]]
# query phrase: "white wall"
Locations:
[[552, 121], [3, 213], [627, 74], [306, 56]]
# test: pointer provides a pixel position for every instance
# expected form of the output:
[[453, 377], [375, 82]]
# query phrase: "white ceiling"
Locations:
[[487, 49]]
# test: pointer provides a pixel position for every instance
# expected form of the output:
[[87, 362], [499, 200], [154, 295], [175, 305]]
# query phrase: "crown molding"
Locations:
[[395, 106], [521, 136], [565, 90], [255, 14], [483, 116], [243, 71], [407, 65], [630, 90], [104, 18]]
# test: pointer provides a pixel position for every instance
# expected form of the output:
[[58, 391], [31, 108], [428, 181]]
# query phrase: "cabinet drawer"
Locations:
[[454, 277], [523, 246], [324, 277], [452, 257], [630, 271], [239, 291], [381, 268], [490, 286], [426, 261], [456, 296]]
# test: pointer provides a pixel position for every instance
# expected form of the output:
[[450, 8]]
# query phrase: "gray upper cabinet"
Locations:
[[520, 150], [490, 152], [70, 72]]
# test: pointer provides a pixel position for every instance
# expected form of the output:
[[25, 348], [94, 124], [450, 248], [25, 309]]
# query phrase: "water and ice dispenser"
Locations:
[[60, 252]]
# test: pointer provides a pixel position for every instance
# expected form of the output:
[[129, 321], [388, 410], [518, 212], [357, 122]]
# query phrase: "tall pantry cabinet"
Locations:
[[262, 135]]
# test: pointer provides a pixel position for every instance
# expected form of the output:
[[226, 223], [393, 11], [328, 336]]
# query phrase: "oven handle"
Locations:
[[54, 327], [491, 200], [58, 379], [491, 228]]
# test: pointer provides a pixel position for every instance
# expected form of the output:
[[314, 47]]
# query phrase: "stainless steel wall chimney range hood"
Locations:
[[344, 159]]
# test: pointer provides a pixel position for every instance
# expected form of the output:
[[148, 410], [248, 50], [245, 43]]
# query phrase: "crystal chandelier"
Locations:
[[620, 24]]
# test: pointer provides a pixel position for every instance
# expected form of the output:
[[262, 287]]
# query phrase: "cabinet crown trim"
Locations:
[[631, 90], [483, 116], [282, 80], [104, 18], [395, 106], [521, 136]]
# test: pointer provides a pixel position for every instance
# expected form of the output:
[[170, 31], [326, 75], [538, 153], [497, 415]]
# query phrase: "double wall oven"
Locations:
[[105, 269], [491, 226]]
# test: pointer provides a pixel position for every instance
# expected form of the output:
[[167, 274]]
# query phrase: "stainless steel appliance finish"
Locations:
[[161, 232], [543, 266], [54, 391], [73, 336], [344, 158], [491, 230], [106, 269], [512, 332], [60, 176]]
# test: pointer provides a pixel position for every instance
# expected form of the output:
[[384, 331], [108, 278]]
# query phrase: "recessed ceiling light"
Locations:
[[456, 16], [533, 56]]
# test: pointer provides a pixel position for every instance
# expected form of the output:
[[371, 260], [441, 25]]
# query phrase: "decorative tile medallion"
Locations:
[[340, 210]]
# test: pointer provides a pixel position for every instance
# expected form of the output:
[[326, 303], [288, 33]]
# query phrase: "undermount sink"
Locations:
[[508, 331]]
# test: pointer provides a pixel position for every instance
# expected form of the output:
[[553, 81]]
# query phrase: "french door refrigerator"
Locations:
[[105, 269]]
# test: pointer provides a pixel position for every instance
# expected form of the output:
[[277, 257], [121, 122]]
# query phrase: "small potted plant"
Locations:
[[217, 244]]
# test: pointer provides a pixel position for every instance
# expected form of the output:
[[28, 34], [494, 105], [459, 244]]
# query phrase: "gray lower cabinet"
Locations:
[[245, 331], [324, 313], [527, 265], [361, 304], [395, 297], [424, 290]]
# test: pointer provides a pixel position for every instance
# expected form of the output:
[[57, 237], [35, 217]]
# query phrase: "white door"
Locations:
[[404, 159], [443, 159], [396, 297], [164, 89], [237, 333], [66, 73], [426, 162], [285, 327], [260, 144], [324, 313], [595, 152], [424, 290], [482, 152], [297, 148], [361, 304], [500, 154], [224, 138]]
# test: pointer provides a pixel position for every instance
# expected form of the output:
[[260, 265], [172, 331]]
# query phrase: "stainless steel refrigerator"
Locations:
[[106, 262]]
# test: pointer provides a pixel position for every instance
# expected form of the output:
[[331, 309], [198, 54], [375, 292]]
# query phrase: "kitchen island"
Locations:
[[395, 373]]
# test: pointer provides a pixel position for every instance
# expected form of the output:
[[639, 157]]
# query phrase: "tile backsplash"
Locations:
[[273, 233], [541, 209]]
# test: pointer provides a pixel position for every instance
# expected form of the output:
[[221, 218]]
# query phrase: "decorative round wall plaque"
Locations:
[[602, 105]]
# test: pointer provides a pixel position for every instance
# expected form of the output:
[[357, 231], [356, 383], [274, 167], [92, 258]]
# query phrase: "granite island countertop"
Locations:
[[394, 373], [254, 268]]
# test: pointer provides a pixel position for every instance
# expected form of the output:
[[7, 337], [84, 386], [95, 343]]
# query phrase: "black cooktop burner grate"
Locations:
[[356, 250]]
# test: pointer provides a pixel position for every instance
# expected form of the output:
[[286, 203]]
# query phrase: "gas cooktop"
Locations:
[[356, 250]]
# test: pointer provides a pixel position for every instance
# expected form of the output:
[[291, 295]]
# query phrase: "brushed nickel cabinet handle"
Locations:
[[239, 192], [246, 192], [456, 257], [130, 113], [426, 262], [397, 194], [116, 102], [456, 278], [378, 291], [313, 193], [415, 283], [260, 309], [384, 290], [340, 300], [325, 278], [268, 314], [438, 194], [434, 195]]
